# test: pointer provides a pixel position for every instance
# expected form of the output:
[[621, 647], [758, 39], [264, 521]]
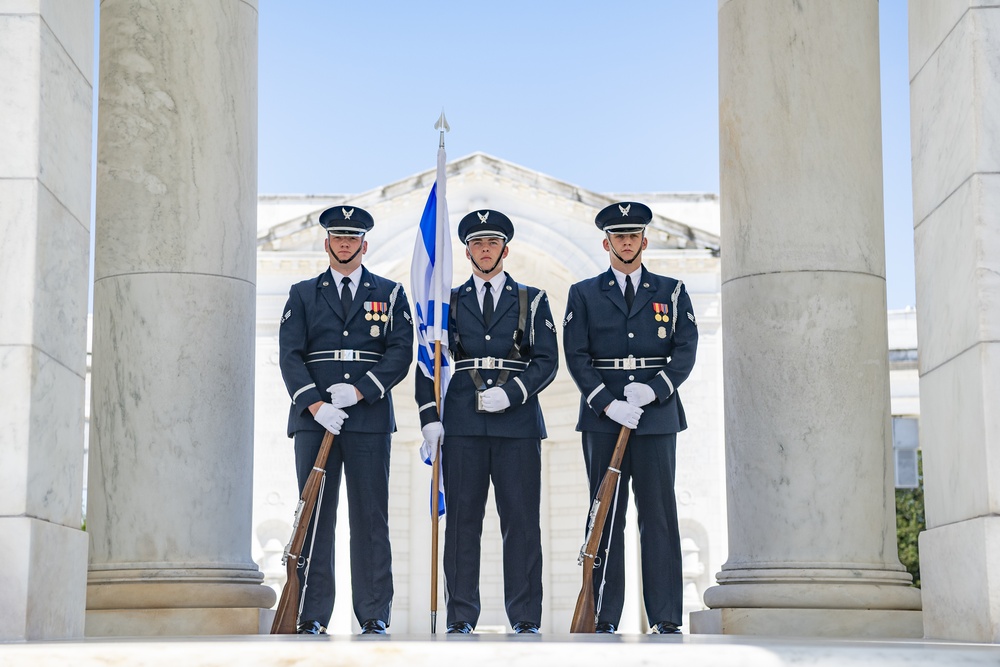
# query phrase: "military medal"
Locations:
[[368, 310], [662, 312]]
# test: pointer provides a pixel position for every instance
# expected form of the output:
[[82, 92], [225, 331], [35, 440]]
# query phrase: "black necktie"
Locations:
[[345, 295], [488, 304], [629, 292]]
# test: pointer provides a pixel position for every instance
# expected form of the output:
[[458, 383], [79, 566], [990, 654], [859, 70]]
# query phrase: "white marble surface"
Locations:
[[177, 129], [960, 433], [954, 97], [804, 325], [958, 262], [171, 444], [800, 138], [44, 207], [44, 303], [499, 651], [955, 91], [172, 419], [40, 448], [43, 580], [960, 575], [807, 421], [931, 21], [855, 624], [47, 101]]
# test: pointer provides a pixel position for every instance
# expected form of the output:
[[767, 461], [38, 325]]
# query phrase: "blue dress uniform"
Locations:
[[372, 349], [502, 446], [609, 345]]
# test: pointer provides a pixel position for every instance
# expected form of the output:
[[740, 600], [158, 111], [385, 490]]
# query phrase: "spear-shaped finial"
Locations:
[[442, 124]]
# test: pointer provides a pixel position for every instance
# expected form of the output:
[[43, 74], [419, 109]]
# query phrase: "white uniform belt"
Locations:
[[343, 355], [629, 363], [489, 364]]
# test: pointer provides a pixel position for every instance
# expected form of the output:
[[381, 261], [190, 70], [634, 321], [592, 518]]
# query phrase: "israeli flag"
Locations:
[[430, 287]]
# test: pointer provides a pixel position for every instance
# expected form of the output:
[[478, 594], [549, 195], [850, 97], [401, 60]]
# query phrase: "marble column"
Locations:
[[171, 447], [955, 131], [46, 64], [812, 545]]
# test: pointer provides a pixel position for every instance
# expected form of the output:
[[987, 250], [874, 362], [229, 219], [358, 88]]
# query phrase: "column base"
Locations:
[[163, 603], [844, 623], [960, 576], [45, 569], [195, 621]]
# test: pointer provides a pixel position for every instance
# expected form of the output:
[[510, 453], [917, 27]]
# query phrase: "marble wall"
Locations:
[[46, 62], [955, 136]]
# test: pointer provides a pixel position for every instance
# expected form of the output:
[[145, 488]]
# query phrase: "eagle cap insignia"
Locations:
[[483, 216], [347, 214], [624, 209]]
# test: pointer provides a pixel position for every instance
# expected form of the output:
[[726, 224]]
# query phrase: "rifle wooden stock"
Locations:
[[584, 616], [285, 617]]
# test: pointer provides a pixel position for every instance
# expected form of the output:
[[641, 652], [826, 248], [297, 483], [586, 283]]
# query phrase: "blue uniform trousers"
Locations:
[[650, 464], [364, 459], [514, 465]]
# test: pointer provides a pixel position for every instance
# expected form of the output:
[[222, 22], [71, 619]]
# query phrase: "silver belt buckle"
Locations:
[[629, 363], [347, 355], [489, 363]]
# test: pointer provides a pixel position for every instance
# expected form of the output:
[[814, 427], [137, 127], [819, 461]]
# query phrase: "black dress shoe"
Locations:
[[373, 626], [310, 628], [526, 628], [605, 628], [666, 628], [459, 628]]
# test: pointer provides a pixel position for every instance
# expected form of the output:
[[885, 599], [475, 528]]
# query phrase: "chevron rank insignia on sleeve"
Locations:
[[569, 316], [550, 325], [691, 317], [285, 317]]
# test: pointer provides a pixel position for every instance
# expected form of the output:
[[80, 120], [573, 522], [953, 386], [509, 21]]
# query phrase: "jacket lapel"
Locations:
[[611, 290], [468, 299], [328, 287]]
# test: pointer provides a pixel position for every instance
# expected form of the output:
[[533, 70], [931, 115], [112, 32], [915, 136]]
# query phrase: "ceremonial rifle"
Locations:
[[584, 616], [288, 606]]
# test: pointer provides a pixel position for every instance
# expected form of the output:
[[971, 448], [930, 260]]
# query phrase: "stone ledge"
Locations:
[[545, 650], [829, 623]]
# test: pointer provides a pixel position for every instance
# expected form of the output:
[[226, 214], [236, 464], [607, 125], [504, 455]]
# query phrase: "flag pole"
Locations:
[[435, 485], [442, 126]]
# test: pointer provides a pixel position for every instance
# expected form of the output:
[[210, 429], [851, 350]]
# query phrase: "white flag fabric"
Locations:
[[430, 289], [430, 277]]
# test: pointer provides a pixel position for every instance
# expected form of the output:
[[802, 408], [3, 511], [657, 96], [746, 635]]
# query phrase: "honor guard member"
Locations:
[[504, 350], [346, 339], [630, 338]]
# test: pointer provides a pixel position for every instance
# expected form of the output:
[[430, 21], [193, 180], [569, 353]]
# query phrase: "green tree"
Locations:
[[910, 522]]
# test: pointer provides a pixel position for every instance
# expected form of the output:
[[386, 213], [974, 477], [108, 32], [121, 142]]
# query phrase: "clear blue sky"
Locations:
[[609, 96]]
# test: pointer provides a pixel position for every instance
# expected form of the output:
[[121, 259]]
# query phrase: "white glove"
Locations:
[[639, 394], [433, 436], [623, 413], [330, 417], [495, 400], [342, 395]]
